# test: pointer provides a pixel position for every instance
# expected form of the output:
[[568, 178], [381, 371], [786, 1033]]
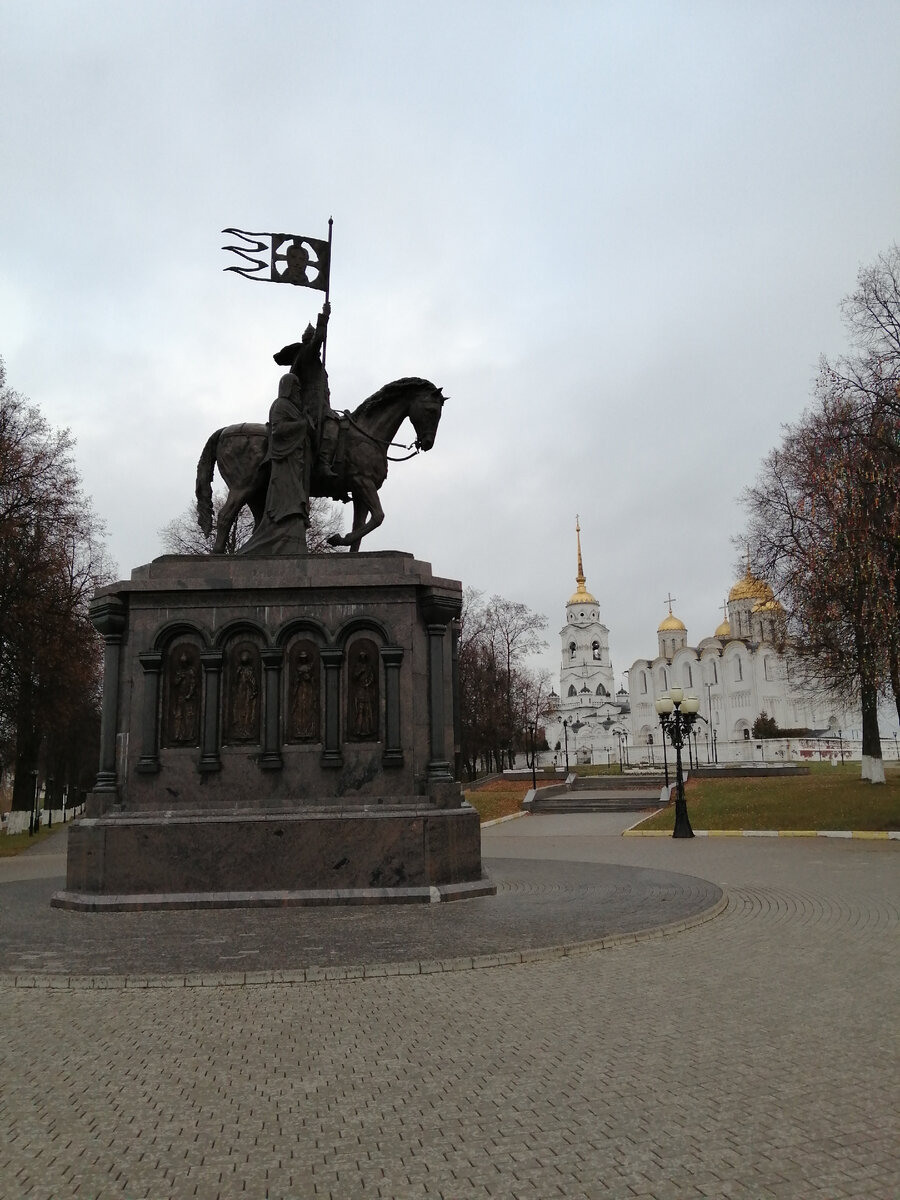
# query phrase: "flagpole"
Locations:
[[327, 288]]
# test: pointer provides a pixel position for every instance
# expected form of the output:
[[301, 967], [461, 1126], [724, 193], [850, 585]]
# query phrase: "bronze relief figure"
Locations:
[[303, 708], [181, 704]]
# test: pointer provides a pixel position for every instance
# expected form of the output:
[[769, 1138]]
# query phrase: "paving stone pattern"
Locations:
[[538, 905], [754, 1055]]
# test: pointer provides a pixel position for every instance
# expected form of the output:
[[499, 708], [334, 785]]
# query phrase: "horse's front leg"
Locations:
[[365, 503]]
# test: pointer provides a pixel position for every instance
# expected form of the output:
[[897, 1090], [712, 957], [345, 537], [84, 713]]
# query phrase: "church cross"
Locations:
[[670, 600]]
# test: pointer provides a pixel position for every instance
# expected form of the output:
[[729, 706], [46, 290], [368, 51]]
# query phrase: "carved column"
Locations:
[[270, 760], [438, 611], [332, 755], [108, 616], [148, 763], [392, 657], [211, 661]]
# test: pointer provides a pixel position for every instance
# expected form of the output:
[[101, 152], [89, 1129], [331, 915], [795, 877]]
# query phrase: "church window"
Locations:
[[572, 691], [595, 647], [738, 669], [688, 677], [601, 690], [715, 673], [644, 683], [571, 649], [767, 667]]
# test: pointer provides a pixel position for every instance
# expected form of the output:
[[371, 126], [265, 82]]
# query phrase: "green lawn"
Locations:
[[828, 798]]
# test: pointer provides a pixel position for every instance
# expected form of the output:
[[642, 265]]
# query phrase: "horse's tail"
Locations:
[[203, 490]]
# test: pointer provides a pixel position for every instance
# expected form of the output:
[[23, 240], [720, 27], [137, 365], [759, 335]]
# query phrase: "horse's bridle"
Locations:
[[380, 442]]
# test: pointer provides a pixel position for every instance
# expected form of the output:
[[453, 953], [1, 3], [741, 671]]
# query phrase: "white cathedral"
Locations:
[[738, 673]]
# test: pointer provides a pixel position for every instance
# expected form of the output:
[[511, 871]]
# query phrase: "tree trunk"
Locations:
[[872, 763], [28, 744], [895, 674]]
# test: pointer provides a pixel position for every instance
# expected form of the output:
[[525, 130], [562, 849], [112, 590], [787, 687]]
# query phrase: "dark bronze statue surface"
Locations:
[[308, 450]]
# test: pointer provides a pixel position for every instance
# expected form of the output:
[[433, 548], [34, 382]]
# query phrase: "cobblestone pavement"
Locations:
[[754, 1055]]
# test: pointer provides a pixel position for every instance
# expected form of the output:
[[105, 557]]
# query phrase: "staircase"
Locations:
[[601, 794]]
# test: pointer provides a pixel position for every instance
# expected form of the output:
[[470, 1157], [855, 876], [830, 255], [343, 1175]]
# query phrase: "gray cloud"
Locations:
[[617, 235]]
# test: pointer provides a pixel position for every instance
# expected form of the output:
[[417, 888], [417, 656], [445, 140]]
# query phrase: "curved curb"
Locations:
[[882, 835], [509, 958]]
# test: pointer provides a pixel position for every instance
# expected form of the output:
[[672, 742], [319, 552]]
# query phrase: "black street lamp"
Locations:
[[566, 736], [677, 714], [665, 753]]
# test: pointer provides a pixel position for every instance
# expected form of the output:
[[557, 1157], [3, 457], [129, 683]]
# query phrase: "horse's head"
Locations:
[[425, 414]]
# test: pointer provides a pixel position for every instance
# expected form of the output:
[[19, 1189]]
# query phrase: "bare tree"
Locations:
[[52, 558], [497, 691], [825, 511]]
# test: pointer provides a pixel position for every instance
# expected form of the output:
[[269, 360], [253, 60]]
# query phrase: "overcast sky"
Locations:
[[617, 234]]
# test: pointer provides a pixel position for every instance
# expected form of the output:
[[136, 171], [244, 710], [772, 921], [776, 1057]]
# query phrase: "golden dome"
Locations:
[[770, 605], [671, 624], [750, 588], [581, 595], [724, 630]]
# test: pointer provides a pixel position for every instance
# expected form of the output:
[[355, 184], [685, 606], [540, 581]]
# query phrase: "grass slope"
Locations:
[[828, 798]]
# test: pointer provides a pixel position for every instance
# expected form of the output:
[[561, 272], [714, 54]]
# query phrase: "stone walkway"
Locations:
[[751, 1055]]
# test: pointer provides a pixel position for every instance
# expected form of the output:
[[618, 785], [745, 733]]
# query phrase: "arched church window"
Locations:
[[767, 667], [572, 691], [644, 683], [595, 647], [688, 676], [714, 672], [571, 649], [738, 669], [601, 690]]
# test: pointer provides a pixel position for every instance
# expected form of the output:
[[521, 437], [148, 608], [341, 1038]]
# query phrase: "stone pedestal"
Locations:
[[278, 730]]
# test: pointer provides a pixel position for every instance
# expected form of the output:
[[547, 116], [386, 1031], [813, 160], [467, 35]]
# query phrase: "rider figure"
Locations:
[[304, 359]]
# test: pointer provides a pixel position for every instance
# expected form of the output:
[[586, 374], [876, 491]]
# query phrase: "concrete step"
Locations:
[[618, 783], [584, 804]]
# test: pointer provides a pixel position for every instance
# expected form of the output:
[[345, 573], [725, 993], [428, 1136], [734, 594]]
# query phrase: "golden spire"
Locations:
[[581, 594]]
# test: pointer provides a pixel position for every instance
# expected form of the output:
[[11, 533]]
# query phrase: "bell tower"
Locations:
[[586, 675]]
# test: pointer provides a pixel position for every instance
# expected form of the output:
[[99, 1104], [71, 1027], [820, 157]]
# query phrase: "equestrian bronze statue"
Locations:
[[307, 450]]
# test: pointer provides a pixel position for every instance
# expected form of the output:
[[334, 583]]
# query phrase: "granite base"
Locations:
[[298, 856]]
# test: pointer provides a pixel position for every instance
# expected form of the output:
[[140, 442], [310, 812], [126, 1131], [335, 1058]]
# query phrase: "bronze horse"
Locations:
[[360, 464]]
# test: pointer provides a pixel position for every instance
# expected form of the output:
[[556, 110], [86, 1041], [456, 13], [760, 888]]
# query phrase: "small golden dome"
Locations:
[[671, 624], [582, 596], [724, 630]]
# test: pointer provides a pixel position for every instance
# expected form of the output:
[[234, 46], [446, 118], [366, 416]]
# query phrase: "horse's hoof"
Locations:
[[336, 540]]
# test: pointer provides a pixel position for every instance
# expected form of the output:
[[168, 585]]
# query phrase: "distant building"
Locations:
[[588, 718]]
